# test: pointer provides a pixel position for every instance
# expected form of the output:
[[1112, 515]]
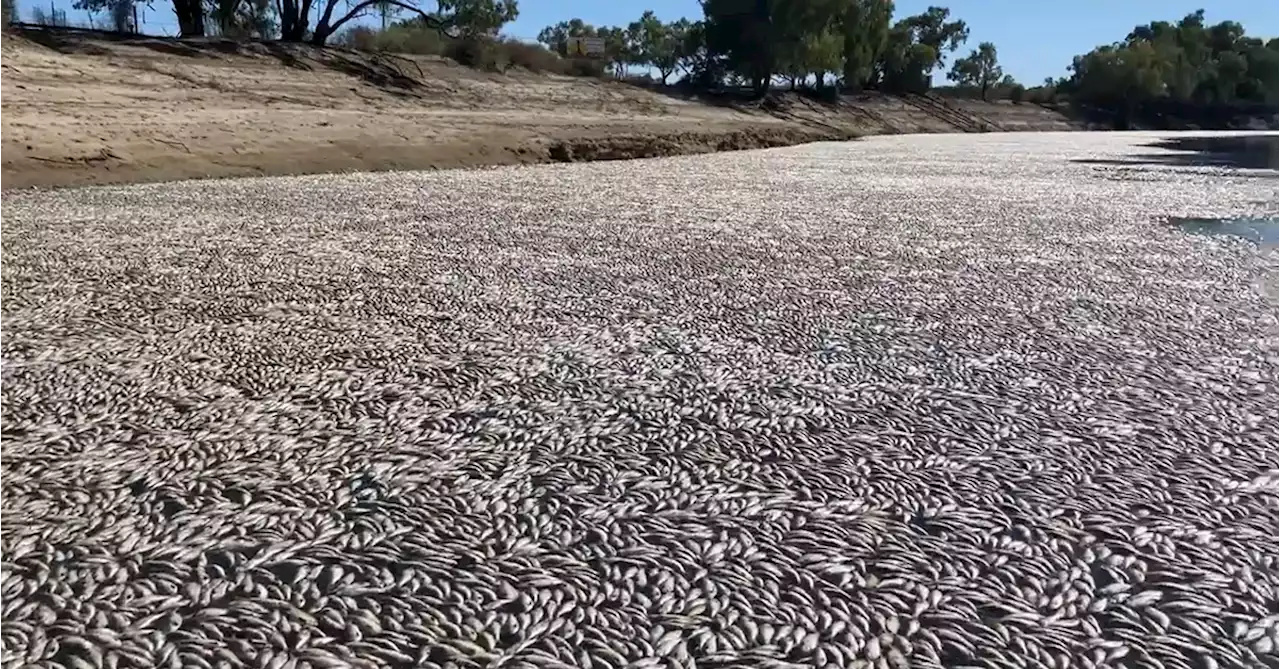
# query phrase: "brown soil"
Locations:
[[83, 109]]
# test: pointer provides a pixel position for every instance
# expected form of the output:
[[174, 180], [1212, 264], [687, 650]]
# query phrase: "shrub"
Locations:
[[360, 37], [413, 38], [472, 52], [585, 67], [1016, 93], [407, 37], [532, 57], [479, 52]]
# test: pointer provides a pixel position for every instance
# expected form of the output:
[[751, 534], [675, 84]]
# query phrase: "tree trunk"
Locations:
[[296, 31], [190, 17], [761, 85], [294, 20], [292, 27]]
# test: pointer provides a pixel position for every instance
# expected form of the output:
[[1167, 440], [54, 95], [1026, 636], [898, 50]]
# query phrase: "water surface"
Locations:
[[1263, 230]]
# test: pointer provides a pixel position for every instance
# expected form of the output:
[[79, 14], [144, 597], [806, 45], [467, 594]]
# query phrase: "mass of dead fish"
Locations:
[[905, 402]]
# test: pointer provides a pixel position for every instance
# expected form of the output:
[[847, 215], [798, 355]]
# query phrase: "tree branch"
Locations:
[[431, 21]]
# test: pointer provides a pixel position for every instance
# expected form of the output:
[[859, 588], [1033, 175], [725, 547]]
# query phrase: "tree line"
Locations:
[[1184, 62], [857, 45], [844, 45], [308, 21], [852, 44]]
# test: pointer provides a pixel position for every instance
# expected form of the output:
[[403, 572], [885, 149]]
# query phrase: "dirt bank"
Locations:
[[80, 109]]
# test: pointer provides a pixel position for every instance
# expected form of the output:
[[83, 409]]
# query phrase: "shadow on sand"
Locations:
[[1239, 151]]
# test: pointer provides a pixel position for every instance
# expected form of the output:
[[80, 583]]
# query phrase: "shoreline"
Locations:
[[82, 110]]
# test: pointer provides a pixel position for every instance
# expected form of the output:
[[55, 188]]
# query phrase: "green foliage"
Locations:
[[477, 17], [701, 67], [753, 42], [979, 69], [557, 37], [409, 37], [620, 50], [821, 54], [242, 19], [658, 44], [386, 11], [1120, 74], [864, 32], [906, 64], [498, 54], [1186, 61], [481, 52], [747, 36], [458, 18], [810, 39], [914, 47], [647, 42], [620, 44], [932, 29]]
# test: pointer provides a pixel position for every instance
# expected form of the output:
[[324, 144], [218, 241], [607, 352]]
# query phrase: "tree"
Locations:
[[1186, 62], [864, 29], [557, 37], [758, 39], [677, 51], [1121, 77], [823, 54], [932, 29], [979, 69], [1017, 93], [658, 44], [190, 14], [808, 40], [914, 47], [122, 16], [242, 19], [1262, 62], [746, 36], [905, 64], [386, 11], [458, 18], [701, 68]]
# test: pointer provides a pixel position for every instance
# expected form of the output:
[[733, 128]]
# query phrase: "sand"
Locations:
[[83, 109]]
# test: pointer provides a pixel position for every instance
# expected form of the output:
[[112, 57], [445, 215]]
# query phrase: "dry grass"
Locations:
[[496, 54]]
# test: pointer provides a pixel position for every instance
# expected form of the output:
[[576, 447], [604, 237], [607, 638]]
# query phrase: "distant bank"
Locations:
[[88, 109]]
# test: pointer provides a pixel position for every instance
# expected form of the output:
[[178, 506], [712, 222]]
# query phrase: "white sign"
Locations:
[[586, 46]]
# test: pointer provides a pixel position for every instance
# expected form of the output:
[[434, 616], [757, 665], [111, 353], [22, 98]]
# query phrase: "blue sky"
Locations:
[[1035, 39]]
